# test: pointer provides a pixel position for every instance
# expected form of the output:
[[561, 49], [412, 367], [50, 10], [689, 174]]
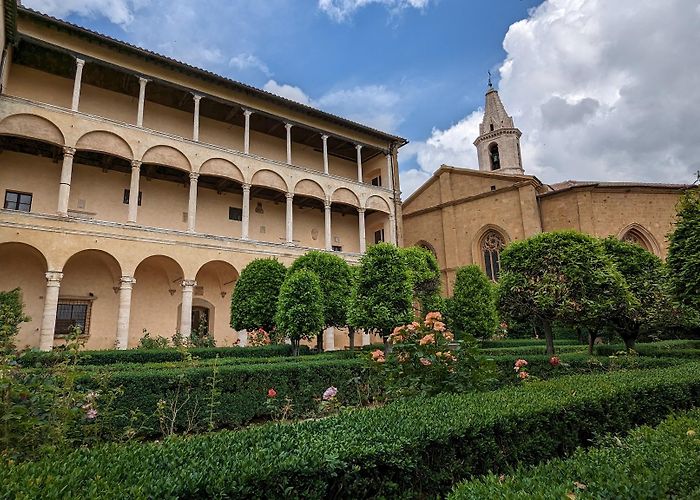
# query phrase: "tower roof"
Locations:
[[494, 113]]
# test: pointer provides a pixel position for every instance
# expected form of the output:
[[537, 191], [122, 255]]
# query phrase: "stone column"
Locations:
[[195, 127], [142, 100], [245, 218], [134, 187], [48, 318], [126, 283], [186, 313], [329, 339], [389, 172], [246, 132], [192, 204], [363, 234], [290, 222], [79, 63], [392, 229], [66, 175], [289, 126], [243, 338], [328, 233], [324, 138], [359, 162], [366, 340]]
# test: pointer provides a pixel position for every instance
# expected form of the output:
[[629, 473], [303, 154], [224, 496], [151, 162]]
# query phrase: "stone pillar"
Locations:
[[366, 340], [142, 100], [195, 127], [243, 338], [289, 126], [134, 187], [79, 63], [324, 138], [126, 284], [245, 218], [363, 235], [328, 233], [359, 162], [389, 172], [192, 204], [290, 221], [48, 318], [329, 339], [246, 132], [186, 313], [392, 229], [64, 186]]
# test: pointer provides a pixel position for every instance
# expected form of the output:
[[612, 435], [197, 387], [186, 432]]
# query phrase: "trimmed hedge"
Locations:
[[496, 344], [113, 356], [649, 463], [417, 447], [534, 349], [673, 348]]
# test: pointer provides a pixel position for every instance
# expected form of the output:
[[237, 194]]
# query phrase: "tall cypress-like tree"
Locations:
[[472, 309], [424, 273], [254, 299]]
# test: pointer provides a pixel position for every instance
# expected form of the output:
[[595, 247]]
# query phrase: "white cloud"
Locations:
[[247, 61], [342, 10], [601, 91], [288, 91], [117, 11]]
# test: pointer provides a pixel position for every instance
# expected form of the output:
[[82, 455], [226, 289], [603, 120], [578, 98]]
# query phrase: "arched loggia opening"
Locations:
[[211, 303]]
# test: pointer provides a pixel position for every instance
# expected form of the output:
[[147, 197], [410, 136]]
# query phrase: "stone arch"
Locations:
[[639, 235], [307, 187], [216, 280], [344, 195], [172, 269], [378, 203], [112, 264], [105, 142], [221, 168], [424, 244], [487, 245], [168, 157], [270, 179], [32, 127]]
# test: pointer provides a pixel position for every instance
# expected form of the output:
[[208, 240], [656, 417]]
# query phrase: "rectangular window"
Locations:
[[235, 213], [14, 200], [337, 248], [72, 313], [126, 197], [377, 181], [379, 236]]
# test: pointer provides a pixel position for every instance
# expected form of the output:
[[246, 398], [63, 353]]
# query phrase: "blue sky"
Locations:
[[567, 68]]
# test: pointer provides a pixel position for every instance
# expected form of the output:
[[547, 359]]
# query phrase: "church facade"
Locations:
[[466, 216]]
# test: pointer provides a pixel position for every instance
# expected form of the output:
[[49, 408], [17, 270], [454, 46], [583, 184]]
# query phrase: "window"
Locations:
[[493, 188], [491, 246], [15, 200], [235, 213], [491, 127], [72, 313], [337, 248], [377, 181], [379, 236], [494, 157], [126, 197]]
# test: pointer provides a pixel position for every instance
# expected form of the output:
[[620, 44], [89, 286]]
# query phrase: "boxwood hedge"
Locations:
[[495, 344], [417, 447], [674, 348], [649, 463]]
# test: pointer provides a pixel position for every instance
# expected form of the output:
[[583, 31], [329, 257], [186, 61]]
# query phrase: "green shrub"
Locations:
[[11, 316], [497, 344], [649, 463], [690, 350], [424, 276], [148, 342], [414, 447], [254, 299], [473, 305], [533, 349], [300, 307], [683, 254]]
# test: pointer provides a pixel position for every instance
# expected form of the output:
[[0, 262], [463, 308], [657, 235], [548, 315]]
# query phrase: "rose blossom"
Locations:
[[377, 354], [329, 393], [425, 362], [554, 361], [271, 393], [523, 375], [91, 414], [519, 364], [428, 339]]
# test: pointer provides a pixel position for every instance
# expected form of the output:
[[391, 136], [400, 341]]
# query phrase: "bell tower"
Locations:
[[498, 144]]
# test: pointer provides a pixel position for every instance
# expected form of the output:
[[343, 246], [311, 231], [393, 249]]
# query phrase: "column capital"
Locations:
[[327, 204], [126, 282], [188, 283], [247, 112], [143, 81], [288, 126], [361, 210], [68, 151], [79, 62], [358, 146], [324, 137], [289, 196], [194, 176], [246, 186], [136, 164], [54, 278], [196, 97], [392, 217]]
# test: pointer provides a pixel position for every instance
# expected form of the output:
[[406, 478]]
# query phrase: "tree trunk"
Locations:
[[295, 347], [549, 336], [629, 343], [579, 334], [319, 342], [591, 341], [387, 345], [351, 334]]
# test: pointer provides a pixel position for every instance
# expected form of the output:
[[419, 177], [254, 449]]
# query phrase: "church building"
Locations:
[[466, 216]]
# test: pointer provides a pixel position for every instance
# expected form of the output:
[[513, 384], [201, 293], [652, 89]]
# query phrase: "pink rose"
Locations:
[[523, 375], [329, 393], [554, 361], [519, 364], [377, 354], [271, 393], [428, 339], [425, 362]]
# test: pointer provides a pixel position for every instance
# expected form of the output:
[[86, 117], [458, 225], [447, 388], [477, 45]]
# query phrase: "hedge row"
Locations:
[[416, 447], [649, 463], [108, 357], [533, 349], [495, 344], [674, 348]]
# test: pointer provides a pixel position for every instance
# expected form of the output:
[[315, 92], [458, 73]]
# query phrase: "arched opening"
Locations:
[[494, 157], [219, 205], [163, 196], [427, 246], [156, 298], [491, 245], [24, 267], [268, 207], [89, 299], [212, 301], [638, 235], [377, 221]]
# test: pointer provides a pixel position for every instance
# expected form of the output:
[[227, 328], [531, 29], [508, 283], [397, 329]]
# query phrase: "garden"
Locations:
[[577, 375]]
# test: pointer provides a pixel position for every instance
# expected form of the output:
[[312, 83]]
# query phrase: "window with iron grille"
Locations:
[[14, 200], [72, 313], [379, 236], [337, 248]]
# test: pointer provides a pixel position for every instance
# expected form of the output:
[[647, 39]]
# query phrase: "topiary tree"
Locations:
[[336, 286], [561, 276], [684, 250], [382, 295], [254, 299], [300, 307], [424, 273], [473, 304], [11, 316]]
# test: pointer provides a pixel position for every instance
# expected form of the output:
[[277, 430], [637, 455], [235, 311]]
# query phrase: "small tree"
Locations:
[[11, 316], [424, 273], [381, 298], [473, 305], [684, 250], [254, 299], [300, 307], [561, 276], [336, 286]]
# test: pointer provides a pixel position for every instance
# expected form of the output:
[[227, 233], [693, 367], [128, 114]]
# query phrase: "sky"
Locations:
[[602, 90]]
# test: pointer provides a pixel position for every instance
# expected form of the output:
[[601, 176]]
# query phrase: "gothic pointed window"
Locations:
[[494, 157], [491, 245], [636, 237]]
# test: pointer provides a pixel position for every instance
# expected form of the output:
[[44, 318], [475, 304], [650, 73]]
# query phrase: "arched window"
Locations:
[[491, 245], [427, 246], [636, 238], [494, 157]]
